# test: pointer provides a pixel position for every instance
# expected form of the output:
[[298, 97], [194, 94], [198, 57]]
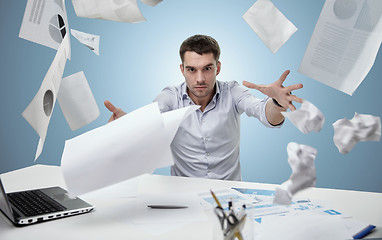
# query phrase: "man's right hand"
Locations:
[[117, 112]]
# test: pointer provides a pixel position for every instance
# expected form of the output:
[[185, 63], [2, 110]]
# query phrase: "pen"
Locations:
[[230, 204], [363, 232], [167, 206]]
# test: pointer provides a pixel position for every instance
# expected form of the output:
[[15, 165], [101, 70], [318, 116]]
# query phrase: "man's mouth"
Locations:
[[200, 87]]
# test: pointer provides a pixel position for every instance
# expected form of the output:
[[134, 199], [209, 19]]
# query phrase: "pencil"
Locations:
[[216, 199]]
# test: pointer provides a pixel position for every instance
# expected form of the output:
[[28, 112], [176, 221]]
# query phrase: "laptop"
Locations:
[[38, 205]]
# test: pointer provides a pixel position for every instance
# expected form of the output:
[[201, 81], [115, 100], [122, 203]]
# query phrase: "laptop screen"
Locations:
[[4, 203]]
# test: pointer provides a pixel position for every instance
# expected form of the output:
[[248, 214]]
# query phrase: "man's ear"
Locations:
[[218, 67], [182, 68]]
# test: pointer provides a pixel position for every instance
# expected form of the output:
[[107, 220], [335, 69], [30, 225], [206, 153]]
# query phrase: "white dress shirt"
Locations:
[[207, 144]]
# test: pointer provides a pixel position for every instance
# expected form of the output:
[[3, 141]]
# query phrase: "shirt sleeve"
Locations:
[[251, 105], [166, 99]]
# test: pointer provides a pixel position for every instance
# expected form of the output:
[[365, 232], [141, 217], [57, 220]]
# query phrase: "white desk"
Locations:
[[363, 206]]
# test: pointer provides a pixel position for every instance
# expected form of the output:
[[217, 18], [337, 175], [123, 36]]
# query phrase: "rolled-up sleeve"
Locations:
[[246, 103]]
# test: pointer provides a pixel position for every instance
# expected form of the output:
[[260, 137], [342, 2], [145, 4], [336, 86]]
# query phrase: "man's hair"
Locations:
[[200, 44]]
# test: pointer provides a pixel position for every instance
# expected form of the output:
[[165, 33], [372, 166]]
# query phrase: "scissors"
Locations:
[[230, 224]]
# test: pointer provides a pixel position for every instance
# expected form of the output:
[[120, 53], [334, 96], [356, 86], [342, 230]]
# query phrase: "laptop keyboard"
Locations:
[[34, 202]]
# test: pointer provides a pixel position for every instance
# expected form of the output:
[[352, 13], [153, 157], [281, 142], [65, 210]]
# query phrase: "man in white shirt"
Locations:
[[207, 143]]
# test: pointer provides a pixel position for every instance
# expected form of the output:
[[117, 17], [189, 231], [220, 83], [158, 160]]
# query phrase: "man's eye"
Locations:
[[191, 69], [208, 68]]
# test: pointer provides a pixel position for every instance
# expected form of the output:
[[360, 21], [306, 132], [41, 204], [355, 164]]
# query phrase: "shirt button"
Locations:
[[207, 153], [208, 170]]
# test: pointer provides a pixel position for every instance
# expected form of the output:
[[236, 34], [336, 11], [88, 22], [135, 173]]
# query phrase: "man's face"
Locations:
[[200, 73]]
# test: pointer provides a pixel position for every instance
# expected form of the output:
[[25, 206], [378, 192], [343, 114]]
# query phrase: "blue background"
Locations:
[[138, 60]]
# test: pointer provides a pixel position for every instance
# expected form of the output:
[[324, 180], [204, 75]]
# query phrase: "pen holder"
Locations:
[[233, 224]]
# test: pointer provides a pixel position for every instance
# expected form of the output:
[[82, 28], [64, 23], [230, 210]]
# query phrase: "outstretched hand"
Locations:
[[277, 91], [117, 112]]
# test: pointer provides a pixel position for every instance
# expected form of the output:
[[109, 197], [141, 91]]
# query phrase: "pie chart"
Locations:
[[48, 102], [344, 9], [57, 28]]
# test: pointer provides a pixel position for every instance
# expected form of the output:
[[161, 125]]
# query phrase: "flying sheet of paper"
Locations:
[[45, 22], [134, 144], [89, 40], [301, 160], [344, 43], [77, 101], [39, 111], [308, 118], [272, 27], [121, 10], [151, 2], [363, 127]]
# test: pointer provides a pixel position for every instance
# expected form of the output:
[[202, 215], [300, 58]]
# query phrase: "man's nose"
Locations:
[[200, 78]]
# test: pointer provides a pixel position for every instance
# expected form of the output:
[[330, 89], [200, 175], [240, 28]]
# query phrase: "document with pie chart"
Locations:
[[39, 111], [45, 22], [344, 43]]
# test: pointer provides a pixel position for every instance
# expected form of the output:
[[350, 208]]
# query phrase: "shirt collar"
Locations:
[[184, 91]]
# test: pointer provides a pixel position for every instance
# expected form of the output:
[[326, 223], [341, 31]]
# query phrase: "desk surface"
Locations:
[[363, 206]]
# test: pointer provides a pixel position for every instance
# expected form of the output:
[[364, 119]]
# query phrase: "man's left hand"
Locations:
[[277, 91]]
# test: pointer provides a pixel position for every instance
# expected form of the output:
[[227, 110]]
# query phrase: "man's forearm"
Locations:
[[273, 113]]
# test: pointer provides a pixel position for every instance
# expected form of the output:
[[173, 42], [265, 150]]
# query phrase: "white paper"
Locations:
[[134, 144], [308, 118], [267, 210], [302, 227], [301, 160], [77, 101], [45, 22], [121, 10], [363, 127], [344, 43], [272, 27], [39, 111], [89, 40], [224, 196], [151, 2]]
